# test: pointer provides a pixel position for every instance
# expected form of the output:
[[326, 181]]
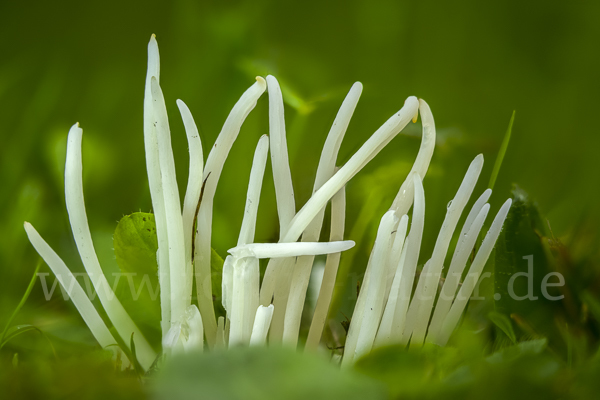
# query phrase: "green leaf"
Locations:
[[417, 373], [512, 353], [504, 323], [521, 264], [260, 373], [501, 152], [135, 244]]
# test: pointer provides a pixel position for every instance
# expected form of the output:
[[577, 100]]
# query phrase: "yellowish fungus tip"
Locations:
[[416, 116], [261, 80]]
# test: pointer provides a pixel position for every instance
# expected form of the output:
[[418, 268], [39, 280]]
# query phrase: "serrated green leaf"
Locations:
[[135, 244], [521, 263], [504, 323]]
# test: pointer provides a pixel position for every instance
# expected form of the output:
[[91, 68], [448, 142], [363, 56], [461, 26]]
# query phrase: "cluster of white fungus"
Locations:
[[391, 306]]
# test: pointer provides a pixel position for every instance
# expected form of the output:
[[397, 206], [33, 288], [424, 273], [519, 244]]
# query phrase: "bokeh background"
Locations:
[[474, 63]]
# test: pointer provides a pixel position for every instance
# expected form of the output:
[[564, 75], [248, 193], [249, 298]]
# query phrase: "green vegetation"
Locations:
[[474, 63]]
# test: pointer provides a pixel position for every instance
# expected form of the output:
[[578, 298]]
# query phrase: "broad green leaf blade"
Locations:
[[520, 270], [502, 152], [504, 323], [135, 244]]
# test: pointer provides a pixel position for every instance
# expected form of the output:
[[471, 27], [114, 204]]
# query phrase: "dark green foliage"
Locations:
[[261, 373]]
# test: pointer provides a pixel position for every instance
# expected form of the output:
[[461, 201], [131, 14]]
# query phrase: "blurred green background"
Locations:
[[474, 63]]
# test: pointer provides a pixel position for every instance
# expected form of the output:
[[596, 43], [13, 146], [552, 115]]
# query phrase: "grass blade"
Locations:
[[20, 305], [501, 152]]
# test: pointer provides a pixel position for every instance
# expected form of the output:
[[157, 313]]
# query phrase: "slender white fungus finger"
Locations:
[[373, 310], [194, 330], [156, 190], [413, 243], [194, 187], [212, 173], [262, 322], [282, 177], [83, 239], [426, 298], [457, 266], [276, 250], [475, 210], [254, 188], [181, 294], [338, 215], [76, 293], [469, 284], [319, 199], [404, 198]]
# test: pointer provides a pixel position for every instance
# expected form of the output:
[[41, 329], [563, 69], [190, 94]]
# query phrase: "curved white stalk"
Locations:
[[325, 170], [274, 286], [212, 172], [279, 272], [384, 334], [172, 342], [464, 247], [404, 198], [193, 190], [244, 300], [284, 250], [338, 217], [424, 300], [194, 340], [254, 188], [282, 176], [373, 309], [367, 304], [83, 239], [477, 206], [249, 220], [319, 199], [181, 297], [262, 322], [156, 189], [74, 290], [227, 283], [413, 244], [399, 238], [468, 285]]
